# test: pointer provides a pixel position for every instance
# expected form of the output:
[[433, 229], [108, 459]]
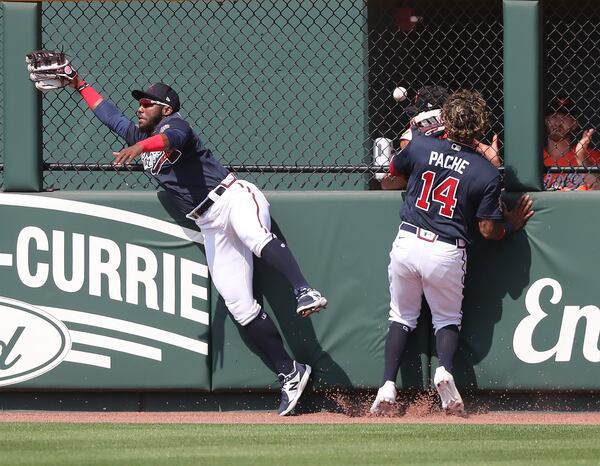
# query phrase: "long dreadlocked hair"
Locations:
[[466, 116]]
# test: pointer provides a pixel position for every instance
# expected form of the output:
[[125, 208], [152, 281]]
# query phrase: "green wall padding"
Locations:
[[21, 130], [342, 242], [515, 336], [119, 344], [523, 95]]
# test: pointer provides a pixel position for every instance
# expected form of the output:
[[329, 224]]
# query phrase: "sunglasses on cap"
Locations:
[[149, 103]]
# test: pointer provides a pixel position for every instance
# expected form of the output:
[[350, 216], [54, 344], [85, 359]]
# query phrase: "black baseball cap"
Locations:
[[428, 98], [161, 93], [563, 105]]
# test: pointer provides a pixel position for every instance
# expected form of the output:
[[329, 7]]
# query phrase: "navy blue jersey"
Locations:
[[449, 186], [187, 171]]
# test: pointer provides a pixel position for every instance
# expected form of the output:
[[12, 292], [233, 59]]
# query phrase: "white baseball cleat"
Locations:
[[452, 402], [385, 401]]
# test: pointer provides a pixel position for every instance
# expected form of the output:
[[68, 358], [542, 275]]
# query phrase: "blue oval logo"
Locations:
[[32, 342]]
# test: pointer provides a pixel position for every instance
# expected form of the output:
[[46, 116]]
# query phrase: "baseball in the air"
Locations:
[[399, 94]]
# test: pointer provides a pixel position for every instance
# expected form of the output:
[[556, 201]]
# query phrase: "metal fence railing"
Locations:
[[454, 44]]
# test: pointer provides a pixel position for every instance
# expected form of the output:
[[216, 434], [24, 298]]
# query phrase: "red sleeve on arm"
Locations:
[[393, 171], [90, 96], [153, 143]]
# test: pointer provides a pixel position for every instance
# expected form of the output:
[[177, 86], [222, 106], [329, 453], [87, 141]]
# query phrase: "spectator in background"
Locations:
[[424, 113], [561, 126], [425, 118]]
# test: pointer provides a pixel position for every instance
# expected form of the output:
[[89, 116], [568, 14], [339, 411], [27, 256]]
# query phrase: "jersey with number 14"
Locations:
[[449, 186]]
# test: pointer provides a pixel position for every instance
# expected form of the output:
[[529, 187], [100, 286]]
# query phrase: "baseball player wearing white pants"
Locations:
[[235, 227], [436, 270], [450, 188], [232, 214]]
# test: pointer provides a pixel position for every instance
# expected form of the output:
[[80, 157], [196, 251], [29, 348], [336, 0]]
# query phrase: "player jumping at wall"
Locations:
[[232, 214], [451, 188]]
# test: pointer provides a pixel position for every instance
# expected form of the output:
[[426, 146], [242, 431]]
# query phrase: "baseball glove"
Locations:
[[429, 123], [49, 69], [426, 123]]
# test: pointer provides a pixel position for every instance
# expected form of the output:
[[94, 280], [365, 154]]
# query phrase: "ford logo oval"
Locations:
[[32, 342]]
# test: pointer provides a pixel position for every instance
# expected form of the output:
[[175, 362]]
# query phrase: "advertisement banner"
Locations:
[[111, 291], [105, 291], [531, 315]]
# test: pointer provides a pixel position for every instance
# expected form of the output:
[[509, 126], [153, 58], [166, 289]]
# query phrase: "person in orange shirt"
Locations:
[[561, 124]]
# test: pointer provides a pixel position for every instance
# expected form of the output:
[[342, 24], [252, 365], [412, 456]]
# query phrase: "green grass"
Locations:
[[307, 444]]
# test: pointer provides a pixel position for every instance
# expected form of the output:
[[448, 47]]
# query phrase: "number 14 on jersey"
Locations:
[[444, 194]]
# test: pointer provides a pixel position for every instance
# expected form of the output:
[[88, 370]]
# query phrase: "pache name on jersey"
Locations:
[[439, 159]]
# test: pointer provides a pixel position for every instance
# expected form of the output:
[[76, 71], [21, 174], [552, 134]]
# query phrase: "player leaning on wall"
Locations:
[[232, 214], [450, 189]]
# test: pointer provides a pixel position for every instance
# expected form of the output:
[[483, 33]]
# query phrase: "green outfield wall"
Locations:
[[109, 291], [106, 291]]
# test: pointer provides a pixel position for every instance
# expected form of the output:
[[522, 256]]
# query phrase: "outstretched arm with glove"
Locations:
[[51, 70]]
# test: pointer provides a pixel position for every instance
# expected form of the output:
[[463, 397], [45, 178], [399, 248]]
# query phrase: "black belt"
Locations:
[[206, 203], [427, 235]]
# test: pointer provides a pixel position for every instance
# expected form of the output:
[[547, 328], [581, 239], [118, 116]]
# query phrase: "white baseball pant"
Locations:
[[436, 269], [236, 226]]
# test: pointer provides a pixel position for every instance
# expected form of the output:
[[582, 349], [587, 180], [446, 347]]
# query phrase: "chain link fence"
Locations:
[[275, 89], [454, 44], [293, 95], [572, 67]]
